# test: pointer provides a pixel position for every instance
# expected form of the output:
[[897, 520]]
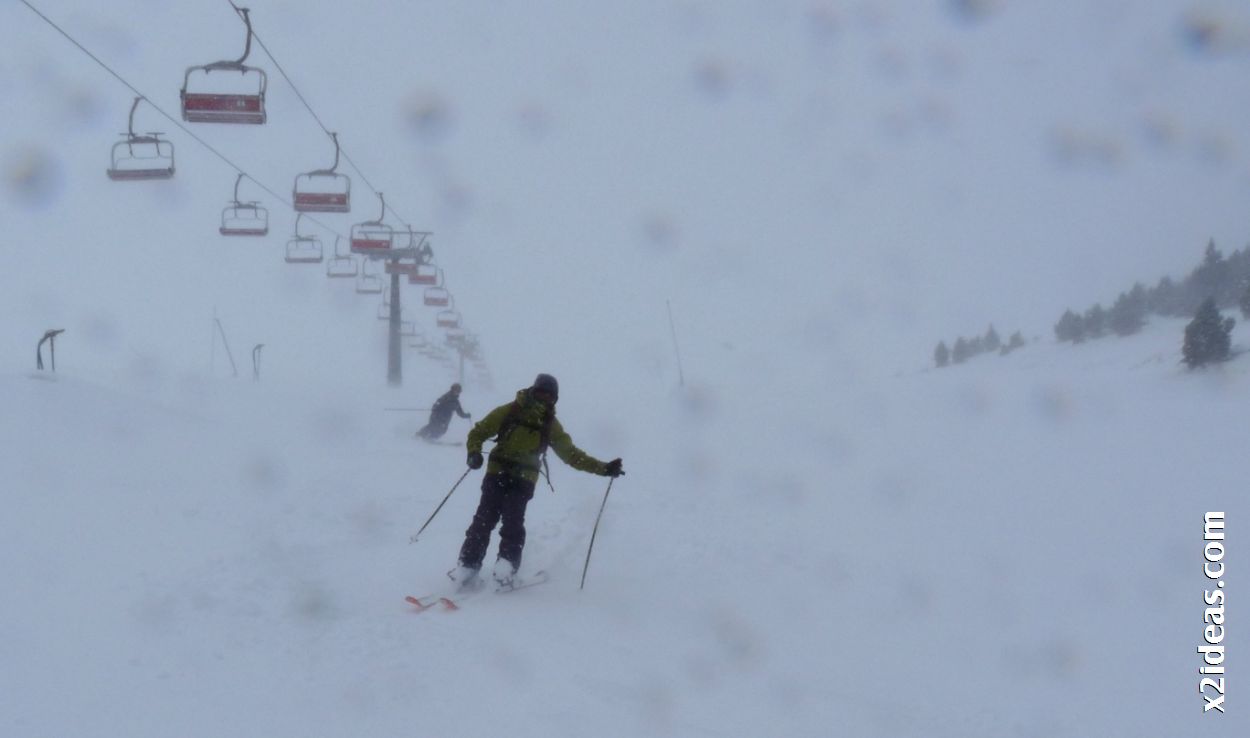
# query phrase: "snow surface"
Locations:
[[817, 534]]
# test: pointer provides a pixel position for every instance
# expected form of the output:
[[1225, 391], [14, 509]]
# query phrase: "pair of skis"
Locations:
[[450, 603]]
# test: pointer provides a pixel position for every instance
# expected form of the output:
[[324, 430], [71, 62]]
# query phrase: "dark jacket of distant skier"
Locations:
[[440, 414], [523, 430]]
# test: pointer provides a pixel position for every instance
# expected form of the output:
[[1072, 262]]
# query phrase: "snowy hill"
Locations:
[[987, 540], [817, 534]]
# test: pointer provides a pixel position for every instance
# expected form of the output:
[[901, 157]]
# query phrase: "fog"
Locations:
[[817, 533]]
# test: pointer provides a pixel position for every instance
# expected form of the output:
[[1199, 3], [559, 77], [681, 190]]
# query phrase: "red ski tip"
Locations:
[[421, 606]]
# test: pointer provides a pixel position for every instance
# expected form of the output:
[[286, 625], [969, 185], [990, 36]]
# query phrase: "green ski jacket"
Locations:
[[518, 432]]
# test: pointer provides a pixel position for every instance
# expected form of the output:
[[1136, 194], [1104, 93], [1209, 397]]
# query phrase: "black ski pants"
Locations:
[[503, 496], [435, 429]]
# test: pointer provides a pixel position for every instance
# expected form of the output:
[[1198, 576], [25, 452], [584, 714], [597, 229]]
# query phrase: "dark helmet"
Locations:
[[455, 387], [547, 383]]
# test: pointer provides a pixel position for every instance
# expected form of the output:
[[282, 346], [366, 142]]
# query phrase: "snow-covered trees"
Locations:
[[1207, 337]]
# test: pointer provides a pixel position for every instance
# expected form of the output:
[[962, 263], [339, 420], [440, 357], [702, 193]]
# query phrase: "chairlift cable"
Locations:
[[308, 106]]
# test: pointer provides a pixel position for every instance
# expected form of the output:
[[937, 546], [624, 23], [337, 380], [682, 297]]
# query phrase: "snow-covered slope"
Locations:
[[816, 536], [971, 551]]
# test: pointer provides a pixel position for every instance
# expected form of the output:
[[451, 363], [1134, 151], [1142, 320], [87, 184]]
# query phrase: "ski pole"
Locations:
[[440, 505], [594, 532]]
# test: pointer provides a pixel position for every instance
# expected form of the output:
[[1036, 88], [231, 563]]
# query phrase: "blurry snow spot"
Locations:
[[534, 119], [333, 424], [696, 465], [777, 487], [1073, 147], [1212, 31], [659, 232], [313, 602], [916, 597], [1216, 148], [893, 63], [146, 369], [819, 332], [512, 665], [428, 115], [894, 490], [83, 107], [1053, 403], [100, 331], [1160, 130], [712, 78], [657, 704], [698, 403], [265, 471], [970, 11], [158, 612], [32, 176], [370, 521], [823, 21], [975, 400], [1057, 657], [737, 642], [455, 200]]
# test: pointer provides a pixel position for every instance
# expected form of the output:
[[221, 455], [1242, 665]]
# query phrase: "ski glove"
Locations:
[[475, 460], [613, 469]]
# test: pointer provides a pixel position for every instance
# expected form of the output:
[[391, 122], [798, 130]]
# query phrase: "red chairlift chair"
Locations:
[[244, 102], [303, 249], [395, 266], [243, 218], [447, 319], [324, 190], [427, 274], [373, 237], [436, 297], [141, 157]]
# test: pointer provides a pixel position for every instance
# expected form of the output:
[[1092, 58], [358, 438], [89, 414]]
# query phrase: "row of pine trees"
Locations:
[[966, 348], [1225, 281], [1217, 283]]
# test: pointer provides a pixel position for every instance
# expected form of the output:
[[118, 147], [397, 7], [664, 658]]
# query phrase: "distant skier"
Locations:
[[440, 414], [522, 430]]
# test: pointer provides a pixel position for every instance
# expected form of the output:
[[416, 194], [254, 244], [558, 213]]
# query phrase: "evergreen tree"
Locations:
[[1071, 327], [1245, 303], [1013, 343], [1095, 321], [960, 353], [991, 341], [1127, 315], [941, 355], [1164, 299], [1208, 280], [1207, 337]]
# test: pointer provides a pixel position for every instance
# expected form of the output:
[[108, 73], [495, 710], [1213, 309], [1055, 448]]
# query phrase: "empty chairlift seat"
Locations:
[[323, 190], [243, 218], [341, 266], [303, 249], [436, 297], [139, 157]]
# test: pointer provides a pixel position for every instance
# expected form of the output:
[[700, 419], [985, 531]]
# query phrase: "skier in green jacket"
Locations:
[[522, 430]]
